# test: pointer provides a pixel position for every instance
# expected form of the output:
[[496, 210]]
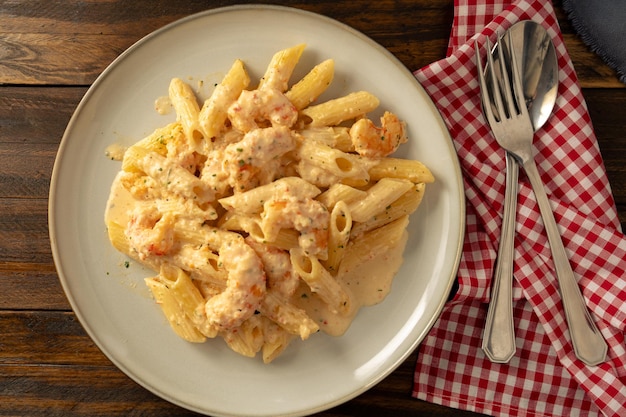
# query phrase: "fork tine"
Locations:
[[517, 81], [484, 91], [512, 105], [495, 88]]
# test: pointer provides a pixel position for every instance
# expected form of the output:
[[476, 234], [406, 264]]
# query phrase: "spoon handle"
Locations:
[[589, 345], [499, 335]]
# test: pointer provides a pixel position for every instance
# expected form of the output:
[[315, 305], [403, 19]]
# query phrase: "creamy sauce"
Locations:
[[163, 105], [120, 203], [368, 284], [115, 151]]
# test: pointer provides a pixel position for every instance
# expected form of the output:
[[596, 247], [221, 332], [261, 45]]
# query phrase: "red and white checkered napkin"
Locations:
[[544, 378]]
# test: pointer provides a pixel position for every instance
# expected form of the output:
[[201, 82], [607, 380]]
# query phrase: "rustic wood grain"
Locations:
[[67, 42], [50, 52], [57, 365]]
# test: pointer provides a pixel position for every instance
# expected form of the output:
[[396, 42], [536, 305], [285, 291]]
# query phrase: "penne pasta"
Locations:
[[281, 67], [187, 109], [337, 137], [253, 226], [374, 242], [117, 237], [333, 112], [309, 88], [339, 235], [291, 318], [157, 141], [174, 313], [275, 341], [340, 192], [412, 170], [247, 339], [378, 198], [261, 213], [252, 201], [406, 204], [214, 112], [323, 165], [320, 281]]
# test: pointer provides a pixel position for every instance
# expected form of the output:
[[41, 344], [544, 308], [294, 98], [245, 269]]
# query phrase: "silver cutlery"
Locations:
[[512, 127], [539, 73]]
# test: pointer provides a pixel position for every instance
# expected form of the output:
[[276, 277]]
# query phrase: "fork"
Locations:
[[511, 125]]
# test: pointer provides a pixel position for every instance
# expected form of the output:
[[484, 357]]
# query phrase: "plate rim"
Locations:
[[52, 198]]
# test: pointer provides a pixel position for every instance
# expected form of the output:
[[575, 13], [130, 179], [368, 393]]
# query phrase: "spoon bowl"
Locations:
[[538, 68]]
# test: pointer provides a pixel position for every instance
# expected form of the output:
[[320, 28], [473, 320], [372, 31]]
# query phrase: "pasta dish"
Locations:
[[265, 215]]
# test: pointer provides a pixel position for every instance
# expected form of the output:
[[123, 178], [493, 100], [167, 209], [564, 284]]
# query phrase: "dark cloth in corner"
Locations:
[[601, 24]]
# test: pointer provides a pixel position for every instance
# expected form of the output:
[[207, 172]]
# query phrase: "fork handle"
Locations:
[[589, 345], [499, 335]]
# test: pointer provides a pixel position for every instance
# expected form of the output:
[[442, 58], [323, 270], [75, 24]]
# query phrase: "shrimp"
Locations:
[[377, 142], [267, 104], [307, 216], [150, 233], [258, 152], [245, 285], [280, 274]]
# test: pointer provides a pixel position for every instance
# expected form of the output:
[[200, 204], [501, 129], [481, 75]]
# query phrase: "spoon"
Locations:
[[539, 72]]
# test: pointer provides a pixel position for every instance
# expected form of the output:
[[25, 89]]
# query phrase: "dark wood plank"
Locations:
[[73, 43], [26, 170], [66, 42], [24, 231], [36, 115], [30, 286], [607, 108], [70, 391], [49, 356], [46, 338]]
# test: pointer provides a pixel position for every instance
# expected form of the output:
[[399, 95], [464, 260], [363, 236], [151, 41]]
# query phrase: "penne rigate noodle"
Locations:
[[188, 297], [185, 104], [312, 85], [285, 239], [412, 170], [323, 165], [252, 201], [374, 242], [336, 111], [340, 192], [157, 141], [291, 318], [201, 263], [117, 237], [246, 339], [275, 341], [337, 137], [378, 198], [175, 315], [281, 67], [214, 112], [406, 204], [320, 281], [339, 235], [253, 226]]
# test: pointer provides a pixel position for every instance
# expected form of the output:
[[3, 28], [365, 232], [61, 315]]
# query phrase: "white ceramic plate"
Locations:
[[110, 299]]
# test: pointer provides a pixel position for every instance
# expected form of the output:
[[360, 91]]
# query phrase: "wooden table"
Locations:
[[50, 52]]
